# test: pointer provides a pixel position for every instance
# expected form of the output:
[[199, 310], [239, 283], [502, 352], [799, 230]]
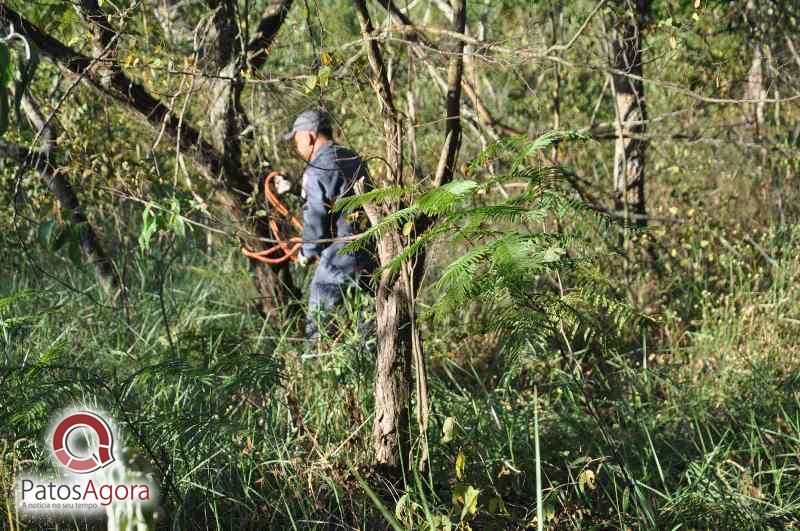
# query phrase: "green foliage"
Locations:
[[706, 431], [379, 195], [690, 422], [513, 248], [155, 219]]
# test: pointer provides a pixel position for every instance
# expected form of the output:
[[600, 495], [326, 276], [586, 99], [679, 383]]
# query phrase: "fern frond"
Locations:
[[544, 141], [458, 275], [376, 196], [410, 250], [494, 213], [497, 149], [512, 255], [443, 200], [387, 223]]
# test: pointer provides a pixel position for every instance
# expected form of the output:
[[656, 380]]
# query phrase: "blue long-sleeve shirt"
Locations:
[[331, 174]]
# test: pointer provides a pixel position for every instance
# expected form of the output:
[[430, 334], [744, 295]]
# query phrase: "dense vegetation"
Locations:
[[596, 355]]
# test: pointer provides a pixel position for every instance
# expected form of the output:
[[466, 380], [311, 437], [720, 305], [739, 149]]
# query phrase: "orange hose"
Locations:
[[289, 252]]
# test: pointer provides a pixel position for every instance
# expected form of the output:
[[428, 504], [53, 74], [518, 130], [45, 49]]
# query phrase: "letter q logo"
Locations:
[[97, 458]]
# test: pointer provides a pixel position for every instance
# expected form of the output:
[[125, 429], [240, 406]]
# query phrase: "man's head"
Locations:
[[309, 129]]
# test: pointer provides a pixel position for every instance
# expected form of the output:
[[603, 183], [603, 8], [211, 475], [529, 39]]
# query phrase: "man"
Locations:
[[331, 173]]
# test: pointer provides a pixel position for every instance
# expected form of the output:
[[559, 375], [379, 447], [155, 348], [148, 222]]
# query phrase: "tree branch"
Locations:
[[130, 94], [485, 117], [258, 48], [381, 82], [60, 187], [102, 30], [275, 283]]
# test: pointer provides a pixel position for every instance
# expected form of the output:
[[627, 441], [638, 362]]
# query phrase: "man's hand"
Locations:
[[302, 260], [280, 182]]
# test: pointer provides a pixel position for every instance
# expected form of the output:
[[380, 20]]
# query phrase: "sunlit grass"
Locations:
[[692, 423]]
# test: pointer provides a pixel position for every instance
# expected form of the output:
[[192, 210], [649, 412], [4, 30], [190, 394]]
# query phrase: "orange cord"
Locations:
[[289, 252]]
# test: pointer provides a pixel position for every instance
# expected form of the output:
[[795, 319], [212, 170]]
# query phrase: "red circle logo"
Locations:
[[98, 457]]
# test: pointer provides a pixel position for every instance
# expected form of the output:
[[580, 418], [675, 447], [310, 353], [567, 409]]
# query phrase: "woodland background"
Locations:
[[587, 213]]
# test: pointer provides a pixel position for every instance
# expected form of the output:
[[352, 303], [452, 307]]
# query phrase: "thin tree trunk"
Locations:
[[455, 74], [394, 320], [444, 174], [630, 148], [493, 126], [410, 275]]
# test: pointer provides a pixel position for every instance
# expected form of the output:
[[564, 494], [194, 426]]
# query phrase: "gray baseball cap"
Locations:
[[312, 120]]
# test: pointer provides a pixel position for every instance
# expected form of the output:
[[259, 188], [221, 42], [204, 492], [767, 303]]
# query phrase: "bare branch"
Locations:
[[382, 86], [568, 45], [98, 22], [485, 117], [125, 91], [104, 38], [793, 50], [392, 8], [446, 9]]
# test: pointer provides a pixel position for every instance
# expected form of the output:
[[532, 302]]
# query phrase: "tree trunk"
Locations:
[[274, 283], [393, 366], [399, 340], [392, 299], [630, 148]]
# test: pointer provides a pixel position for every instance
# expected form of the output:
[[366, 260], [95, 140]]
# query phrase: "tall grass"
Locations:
[[691, 423]]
